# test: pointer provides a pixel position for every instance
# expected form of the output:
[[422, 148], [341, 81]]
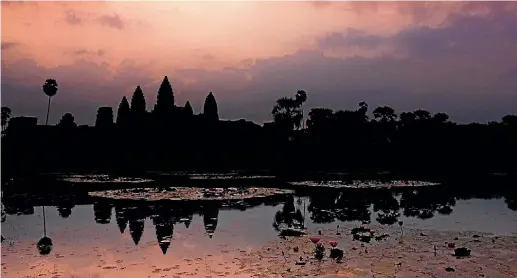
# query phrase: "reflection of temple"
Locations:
[[210, 218], [163, 220], [121, 217], [102, 212], [136, 217], [65, 210], [185, 217]]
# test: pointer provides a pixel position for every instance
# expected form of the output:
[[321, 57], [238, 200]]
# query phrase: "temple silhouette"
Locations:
[[171, 137]]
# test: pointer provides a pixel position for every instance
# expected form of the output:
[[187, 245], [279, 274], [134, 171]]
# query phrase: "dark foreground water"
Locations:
[[166, 239]]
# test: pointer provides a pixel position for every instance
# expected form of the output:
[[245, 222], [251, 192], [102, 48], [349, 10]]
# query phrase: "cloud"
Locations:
[[9, 45], [351, 37], [113, 21], [462, 66], [84, 51], [72, 18]]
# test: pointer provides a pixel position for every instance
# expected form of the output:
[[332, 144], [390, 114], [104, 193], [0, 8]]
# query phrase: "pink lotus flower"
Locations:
[[451, 244], [333, 243], [319, 244], [315, 239]]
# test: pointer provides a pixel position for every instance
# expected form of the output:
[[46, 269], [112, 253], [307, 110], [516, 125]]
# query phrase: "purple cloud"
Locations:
[[113, 21]]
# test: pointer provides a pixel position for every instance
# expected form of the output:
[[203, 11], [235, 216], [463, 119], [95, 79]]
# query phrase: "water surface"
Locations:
[[164, 239]]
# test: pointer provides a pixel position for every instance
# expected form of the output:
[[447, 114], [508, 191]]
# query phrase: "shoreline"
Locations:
[[492, 256]]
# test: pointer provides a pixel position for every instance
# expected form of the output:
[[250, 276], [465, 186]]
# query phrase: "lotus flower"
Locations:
[[315, 239], [451, 244], [319, 244], [333, 243]]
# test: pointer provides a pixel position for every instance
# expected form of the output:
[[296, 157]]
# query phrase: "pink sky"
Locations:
[[232, 48]]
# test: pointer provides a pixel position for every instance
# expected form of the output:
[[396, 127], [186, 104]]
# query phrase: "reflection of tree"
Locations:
[[102, 212], [388, 207], [511, 200], [321, 207], [19, 208], [353, 206], [163, 220], [423, 202], [4, 215], [210, 218], [288, 216]]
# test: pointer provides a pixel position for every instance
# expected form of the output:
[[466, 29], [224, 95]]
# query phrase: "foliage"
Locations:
[[384, 114], [6, 115], [67, 121], [287, 112], [50, 87]]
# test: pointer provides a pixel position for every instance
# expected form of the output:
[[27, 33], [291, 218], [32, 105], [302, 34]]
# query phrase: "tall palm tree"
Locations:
[[50, 89], [45, 243]]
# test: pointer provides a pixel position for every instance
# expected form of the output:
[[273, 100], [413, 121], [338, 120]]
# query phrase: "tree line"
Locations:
[[173, 137]]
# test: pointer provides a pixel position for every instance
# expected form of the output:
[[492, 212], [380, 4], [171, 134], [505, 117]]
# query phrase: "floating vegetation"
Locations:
[[363, 184], [226, 177], [102, 179], [189, 193]]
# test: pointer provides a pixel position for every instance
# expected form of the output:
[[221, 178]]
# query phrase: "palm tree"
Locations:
[[6, 114], [45, 243], [50, 89]]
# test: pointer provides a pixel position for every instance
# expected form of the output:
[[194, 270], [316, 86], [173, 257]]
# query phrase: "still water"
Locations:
[[200, 239]]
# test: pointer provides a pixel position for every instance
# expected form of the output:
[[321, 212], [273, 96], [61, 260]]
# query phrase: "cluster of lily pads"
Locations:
[[363, 184], [188, 193], [102, 179]]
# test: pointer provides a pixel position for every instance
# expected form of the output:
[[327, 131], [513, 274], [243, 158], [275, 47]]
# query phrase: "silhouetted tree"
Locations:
[[422, 115], [440, 118], [287, 112], [123, 113], [164, 107], [407, 119], [50, 89], [67, 121], [6, 115], [384, 114], [510, 120], [320, 119], [210, 109], [138, 107], [104, 117], [363, 109]]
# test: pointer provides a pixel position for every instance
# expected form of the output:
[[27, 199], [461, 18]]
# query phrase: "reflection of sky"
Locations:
[[83, 247]]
